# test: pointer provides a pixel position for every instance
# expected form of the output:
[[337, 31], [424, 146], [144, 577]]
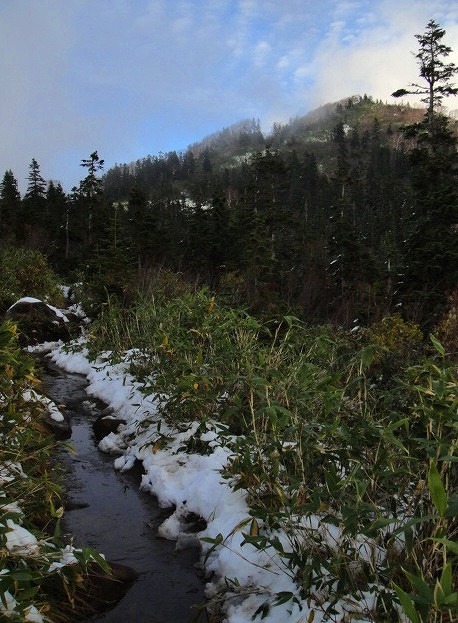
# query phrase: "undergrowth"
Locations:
[[344, 442], [26, 272]]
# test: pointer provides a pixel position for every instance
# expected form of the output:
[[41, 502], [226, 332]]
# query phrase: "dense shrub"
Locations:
[[320, 443], [26, 273], [447, 329]]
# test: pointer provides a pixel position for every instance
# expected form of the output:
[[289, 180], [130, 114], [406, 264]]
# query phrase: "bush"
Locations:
[[447, 329], [395, 335], [26, 273]]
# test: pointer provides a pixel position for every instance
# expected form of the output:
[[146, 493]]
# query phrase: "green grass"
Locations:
[[355, 431]]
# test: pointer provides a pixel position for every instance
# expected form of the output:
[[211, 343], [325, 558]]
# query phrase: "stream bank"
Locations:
[[111, 515]]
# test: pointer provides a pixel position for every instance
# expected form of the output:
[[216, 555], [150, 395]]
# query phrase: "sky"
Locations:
[[130, 78]]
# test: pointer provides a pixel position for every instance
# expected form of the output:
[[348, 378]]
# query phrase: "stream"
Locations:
[[119, 520]]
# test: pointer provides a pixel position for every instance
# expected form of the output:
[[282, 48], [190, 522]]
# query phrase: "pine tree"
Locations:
[[36, 186], [91, 197], [431, 250], [434, 71], [142, 226], [35, 196], [57, 211], [114, 262], [9, 206], [35, 219]]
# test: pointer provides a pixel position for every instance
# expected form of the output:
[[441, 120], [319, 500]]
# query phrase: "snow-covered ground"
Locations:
[[248, 578]]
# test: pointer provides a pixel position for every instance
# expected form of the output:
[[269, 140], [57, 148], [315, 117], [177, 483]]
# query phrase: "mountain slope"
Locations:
[[231, 147]]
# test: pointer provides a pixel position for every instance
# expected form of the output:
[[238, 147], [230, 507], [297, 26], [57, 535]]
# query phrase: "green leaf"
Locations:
[[367, 356], [436, 489], [412, 522], [216, 541], [100, 560], [439, 595], [398, 424], [437, 345], [22, 576], [263, 610], [451, 600], [379, 523], [446, 579], [29, 593], [407, 604], [283, 597], [424, 590]]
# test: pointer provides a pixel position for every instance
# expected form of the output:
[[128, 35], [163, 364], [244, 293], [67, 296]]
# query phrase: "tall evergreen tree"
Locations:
[[435, 72], [10, 199], [91, 196], [114, 261], [431, 251], [142, 227], [57, 211], [36, 186], [34, 214]]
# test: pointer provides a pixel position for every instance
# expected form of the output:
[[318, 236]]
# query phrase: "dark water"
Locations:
[[120, 521]]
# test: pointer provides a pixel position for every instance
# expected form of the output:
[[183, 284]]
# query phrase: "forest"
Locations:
[[338, 216]]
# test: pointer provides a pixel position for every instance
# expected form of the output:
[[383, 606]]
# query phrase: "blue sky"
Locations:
[[136, 77]]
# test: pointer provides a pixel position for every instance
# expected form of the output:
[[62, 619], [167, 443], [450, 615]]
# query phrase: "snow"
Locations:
[[58, 313], [193, 483], [67, 558], [19, 540], [8, 608], [30, 299], [9, 471], [50, 406], [25, 299]]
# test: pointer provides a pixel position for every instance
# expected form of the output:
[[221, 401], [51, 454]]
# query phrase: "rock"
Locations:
[[39, 322], [73, 505], [105, 424], [102, 590], [60, 429], [54, 419], [193, 523], [183, 526], [95, 591]]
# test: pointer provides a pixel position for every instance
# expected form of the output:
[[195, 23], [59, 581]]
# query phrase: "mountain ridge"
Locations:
[[234, 146]]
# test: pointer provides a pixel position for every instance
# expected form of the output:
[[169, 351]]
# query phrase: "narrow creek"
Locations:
[[120, 521]]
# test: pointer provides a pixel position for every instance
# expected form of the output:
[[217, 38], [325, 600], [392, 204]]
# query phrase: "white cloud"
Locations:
[[379, 60]]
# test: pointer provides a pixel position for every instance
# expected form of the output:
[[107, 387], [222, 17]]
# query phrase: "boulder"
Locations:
[[96, 591], [39, 322], [105, 424]]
